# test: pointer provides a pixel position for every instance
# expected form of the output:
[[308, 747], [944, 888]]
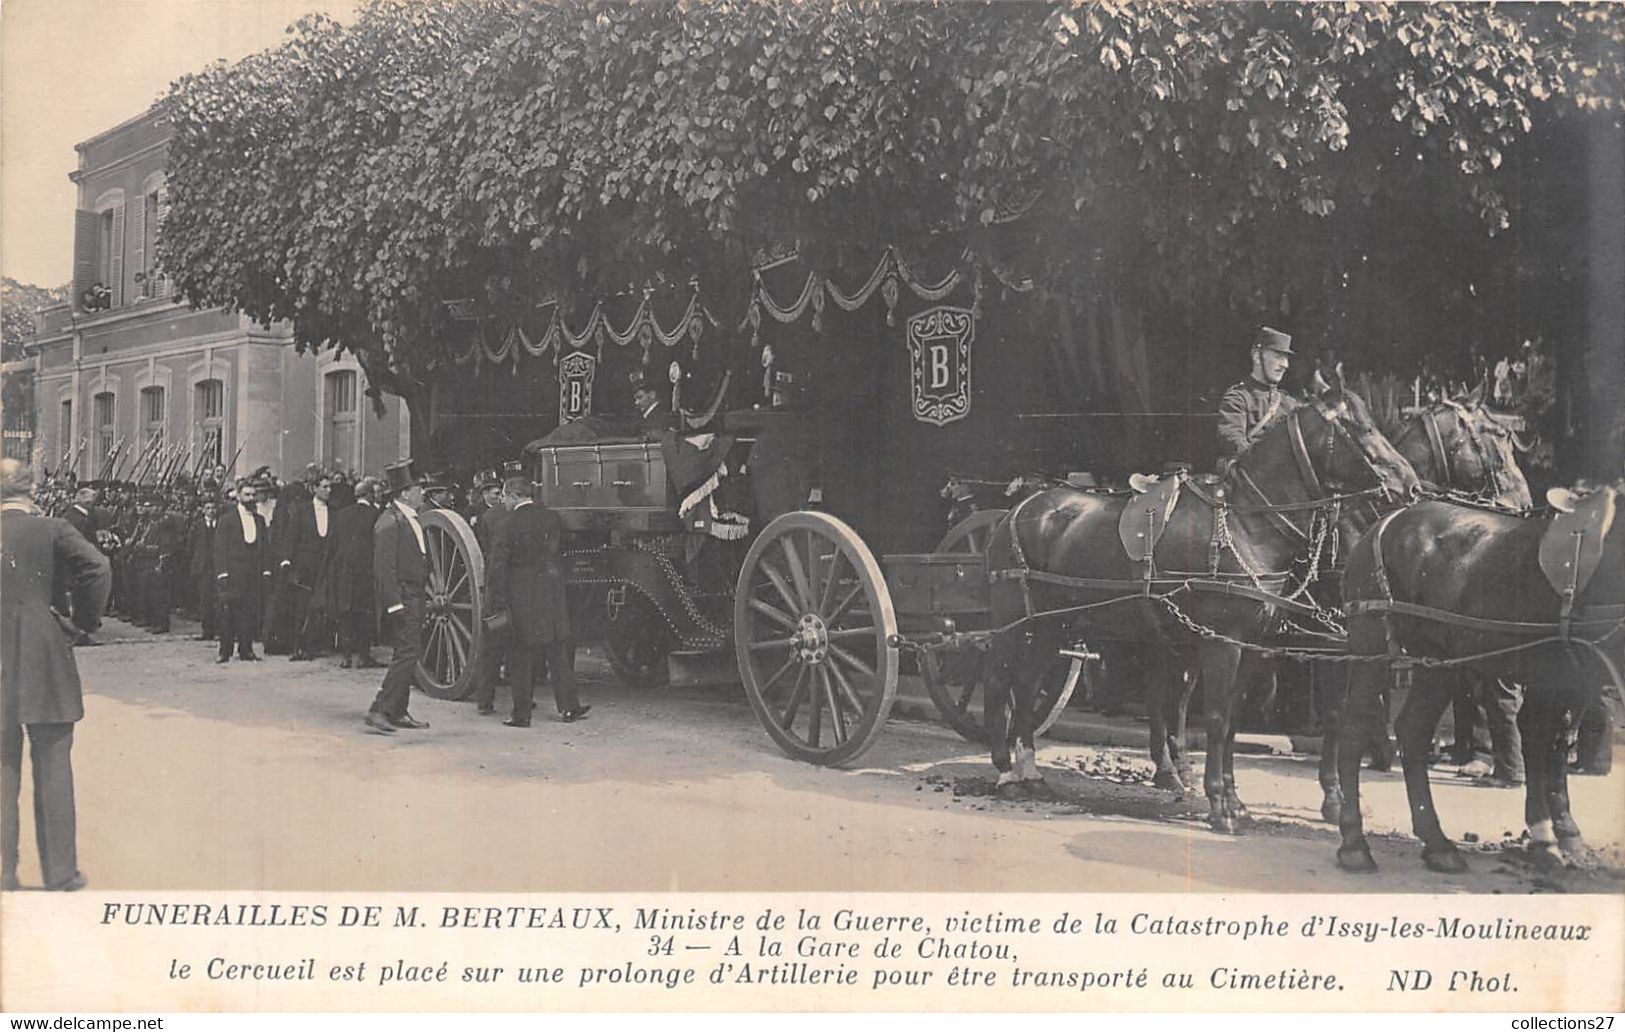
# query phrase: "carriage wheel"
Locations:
[[969, 535], [636, 641], [957, 682], [453, 626], [813, 632]]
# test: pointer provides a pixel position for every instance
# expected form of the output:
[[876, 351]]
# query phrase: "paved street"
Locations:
[[259, 776]]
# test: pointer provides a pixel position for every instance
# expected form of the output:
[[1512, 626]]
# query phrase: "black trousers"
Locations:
[[406, 634], [50, 748], [239, 623], [525, 659], [356, 632], [308, 622], [207, 604], [1498, 703]]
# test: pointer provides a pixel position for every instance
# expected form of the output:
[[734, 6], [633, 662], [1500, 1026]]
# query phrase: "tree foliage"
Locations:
[[1248, 157]]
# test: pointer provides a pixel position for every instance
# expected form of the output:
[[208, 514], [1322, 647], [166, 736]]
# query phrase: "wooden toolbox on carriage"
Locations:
[[936, 585], [623, 479]]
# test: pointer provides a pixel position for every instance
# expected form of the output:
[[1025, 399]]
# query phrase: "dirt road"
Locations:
[[259, 776]]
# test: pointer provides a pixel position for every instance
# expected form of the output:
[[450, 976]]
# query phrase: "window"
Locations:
[[341, 440], [103, 411], [209, 406], [104, 249], [149, 246], [152, 411], [65, 439]]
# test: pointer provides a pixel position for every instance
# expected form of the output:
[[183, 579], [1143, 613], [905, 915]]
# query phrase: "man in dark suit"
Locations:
[[242, 569], [400, 570], [200, 565], [306, 550], [485, 524], [526, 581], [348, 583], [39, 557], [87, 520]]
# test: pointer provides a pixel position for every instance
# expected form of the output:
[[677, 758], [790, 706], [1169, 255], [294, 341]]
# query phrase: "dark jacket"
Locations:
[[86, 525], [40, 558], [399, 568], [485, 528], [200, 549], [525, 577], [240, 569], [304, 549], [1246, 410], [348, 583]]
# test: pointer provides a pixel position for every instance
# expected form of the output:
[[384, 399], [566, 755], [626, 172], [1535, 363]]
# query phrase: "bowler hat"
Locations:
[[1273, 340], [401, 476]]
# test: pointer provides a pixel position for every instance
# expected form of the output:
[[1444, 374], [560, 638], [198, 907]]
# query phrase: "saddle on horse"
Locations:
[[1571, 548], [1146, 515]]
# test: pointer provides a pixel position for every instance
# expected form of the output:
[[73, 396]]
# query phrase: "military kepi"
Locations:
[[1273, 340], [401, 476]]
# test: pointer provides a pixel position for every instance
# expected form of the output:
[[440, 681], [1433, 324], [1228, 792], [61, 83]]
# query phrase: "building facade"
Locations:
[[122, 361]]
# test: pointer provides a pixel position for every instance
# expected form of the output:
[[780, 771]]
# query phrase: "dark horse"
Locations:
[[1059, 572], [1536, 600], [1456, 447]]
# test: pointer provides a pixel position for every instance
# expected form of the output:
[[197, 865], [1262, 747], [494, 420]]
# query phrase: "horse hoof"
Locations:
[[1545, 855], [1225, 825], [1572, 846], [1444, 861], [1241, 813], [1331, 812], [1356, 860], [1168, 781]]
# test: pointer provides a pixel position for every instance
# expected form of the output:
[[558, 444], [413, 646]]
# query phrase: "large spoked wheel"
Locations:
[[636, 639], [453, 626], [956, 680], [813, 632]]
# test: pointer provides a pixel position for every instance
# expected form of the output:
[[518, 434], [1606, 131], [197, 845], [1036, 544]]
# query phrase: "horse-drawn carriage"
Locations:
[[801, 613]]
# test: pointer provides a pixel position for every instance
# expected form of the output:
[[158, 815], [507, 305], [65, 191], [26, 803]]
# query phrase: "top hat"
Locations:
[[513, 468], [1273, 340], [488, 478], [400, 476], [437, 481]]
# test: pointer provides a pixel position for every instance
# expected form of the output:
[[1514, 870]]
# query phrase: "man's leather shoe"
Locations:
[[249, 657], [222, 659], [486, 709], [73, 884], [368, 663], [376, 722], [516, 722], [405, 721], [298, 657], [571, 716]]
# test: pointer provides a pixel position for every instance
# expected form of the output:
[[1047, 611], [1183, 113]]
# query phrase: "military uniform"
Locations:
[[1244, 412]]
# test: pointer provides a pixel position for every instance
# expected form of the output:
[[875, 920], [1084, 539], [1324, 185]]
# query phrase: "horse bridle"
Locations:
[[1494, 468], [1320, 500]]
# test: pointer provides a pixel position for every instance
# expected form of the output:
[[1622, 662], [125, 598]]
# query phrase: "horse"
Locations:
[[1539, 600], [1212, 578], [1457, 448]]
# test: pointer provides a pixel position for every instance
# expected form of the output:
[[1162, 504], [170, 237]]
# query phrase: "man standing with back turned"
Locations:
[[401, 570], [42, 692]]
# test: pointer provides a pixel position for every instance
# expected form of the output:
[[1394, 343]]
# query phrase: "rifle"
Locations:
[[234, 457], [113, 462]]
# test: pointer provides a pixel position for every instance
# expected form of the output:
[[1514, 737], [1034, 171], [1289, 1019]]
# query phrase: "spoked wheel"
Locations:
[[957, 682], [813, 633], [453, 627], [636, 640], [970, 534]]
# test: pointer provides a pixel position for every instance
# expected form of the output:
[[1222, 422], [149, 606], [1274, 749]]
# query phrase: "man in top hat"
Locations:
[[40, 558], [242, 569], [400, 570], [438, 491], [1251, 405]]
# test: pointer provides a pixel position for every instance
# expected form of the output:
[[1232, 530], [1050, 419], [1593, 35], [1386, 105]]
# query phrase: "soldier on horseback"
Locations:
[[1251, 405]]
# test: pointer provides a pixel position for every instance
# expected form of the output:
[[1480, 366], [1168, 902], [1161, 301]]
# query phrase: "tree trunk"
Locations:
[[1603, 448]]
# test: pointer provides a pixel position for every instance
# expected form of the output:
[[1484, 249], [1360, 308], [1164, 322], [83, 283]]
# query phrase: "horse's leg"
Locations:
[[997, 702], [1159, 694], [1251, 667], [1569, 839], [1035, 663], [1417, 721], [1184, 687], [1219, 661], [1359, 705], [1331, 690], [1542, 733]]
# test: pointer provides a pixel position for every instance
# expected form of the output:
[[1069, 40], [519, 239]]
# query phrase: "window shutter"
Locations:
[[160, 287], [85, 259], [140, 255], [117, 265]]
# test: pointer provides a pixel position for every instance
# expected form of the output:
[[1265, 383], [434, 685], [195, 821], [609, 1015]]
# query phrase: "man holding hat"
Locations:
[[40, 558], [400, 569], [1251, 405], [242, 569]]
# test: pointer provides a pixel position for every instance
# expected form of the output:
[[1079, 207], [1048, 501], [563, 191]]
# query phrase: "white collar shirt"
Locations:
[[321, 516], [251, 532]]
